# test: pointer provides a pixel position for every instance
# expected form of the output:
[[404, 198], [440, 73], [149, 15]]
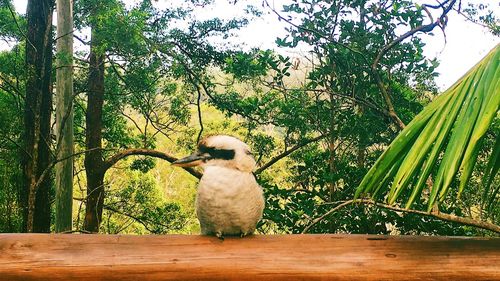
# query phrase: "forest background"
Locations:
[[151, 78]]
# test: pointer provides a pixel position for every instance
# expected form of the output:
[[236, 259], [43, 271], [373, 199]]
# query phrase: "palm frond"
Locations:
[[448, 133]]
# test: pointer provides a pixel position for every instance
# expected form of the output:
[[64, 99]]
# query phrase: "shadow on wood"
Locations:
[[274, 257]]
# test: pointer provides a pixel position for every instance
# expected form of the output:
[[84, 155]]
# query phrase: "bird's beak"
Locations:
[[192, 160]]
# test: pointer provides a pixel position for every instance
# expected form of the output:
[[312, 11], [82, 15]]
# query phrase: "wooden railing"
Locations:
[[259, 257]]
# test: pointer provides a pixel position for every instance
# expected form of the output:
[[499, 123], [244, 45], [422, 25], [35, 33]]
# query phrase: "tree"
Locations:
[[151, 52], [93, 119], [64, 116], [37, 115]]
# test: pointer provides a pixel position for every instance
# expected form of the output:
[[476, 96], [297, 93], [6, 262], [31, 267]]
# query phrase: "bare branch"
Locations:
[[133, 217], [422, 28], [438, 215], [20, 29], [308, 30], [470, 19], [123, 213], [62, 35], [441, 21], [81, 40], [47, 170], [13, 87], [198, 106], [132, 120], [366, 102], [286, 153], [146, 152]]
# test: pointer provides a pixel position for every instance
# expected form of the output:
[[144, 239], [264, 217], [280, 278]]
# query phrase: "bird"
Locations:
[[229, 201]]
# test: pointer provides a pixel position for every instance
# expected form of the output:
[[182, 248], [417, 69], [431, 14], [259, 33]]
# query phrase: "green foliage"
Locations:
[[485, 15], [12, 79], [139, 206], [11, 23], [10, 170], [245, 66], [448, 132], [143, 164]]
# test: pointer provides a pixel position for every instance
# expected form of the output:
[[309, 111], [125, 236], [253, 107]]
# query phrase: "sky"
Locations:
[[466, 43]]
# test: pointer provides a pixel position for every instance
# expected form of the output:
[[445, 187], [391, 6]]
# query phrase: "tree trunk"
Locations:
[[95, 201], [361, 155], [94, 163], [37, 114], [64, 116]]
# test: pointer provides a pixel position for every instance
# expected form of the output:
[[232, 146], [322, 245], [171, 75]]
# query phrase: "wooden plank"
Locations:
[[260, 257]]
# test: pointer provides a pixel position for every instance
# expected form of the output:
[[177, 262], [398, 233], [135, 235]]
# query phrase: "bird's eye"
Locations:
[[217, 153]]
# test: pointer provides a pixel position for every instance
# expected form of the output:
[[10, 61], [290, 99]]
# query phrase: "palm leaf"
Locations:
[[448, 133]]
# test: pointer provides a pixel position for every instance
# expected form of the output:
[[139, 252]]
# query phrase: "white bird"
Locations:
[[229, 199]]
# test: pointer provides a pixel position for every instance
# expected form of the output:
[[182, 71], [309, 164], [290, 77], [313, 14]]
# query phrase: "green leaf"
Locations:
[[445, 136]]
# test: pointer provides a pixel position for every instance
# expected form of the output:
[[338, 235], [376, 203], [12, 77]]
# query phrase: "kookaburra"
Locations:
[[229, 200]]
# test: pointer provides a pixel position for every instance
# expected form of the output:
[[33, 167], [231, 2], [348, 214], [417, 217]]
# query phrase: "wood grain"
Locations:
[[273, 257]]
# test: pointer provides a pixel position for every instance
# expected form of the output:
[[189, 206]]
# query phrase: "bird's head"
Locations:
[[220, 150]]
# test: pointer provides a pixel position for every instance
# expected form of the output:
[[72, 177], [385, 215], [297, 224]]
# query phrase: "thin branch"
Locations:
[[67, 33], [144, 222], [440, 5], [115, 210], [317, 33], [198, 106], [470, 19], [118, 74], [322, 217], [109, 208], [146, 152], [62, 125], [81, 40], [286, 153], [200, 120], [205, 88], [51, 165], [20, 147], [75, 231], [20, 29], [366, 102], [438, 215], [14, 88], [214, 99], [132, 120], [422, 28]]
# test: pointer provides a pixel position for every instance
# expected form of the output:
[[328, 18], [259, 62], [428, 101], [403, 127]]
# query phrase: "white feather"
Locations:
[[229, 202]]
